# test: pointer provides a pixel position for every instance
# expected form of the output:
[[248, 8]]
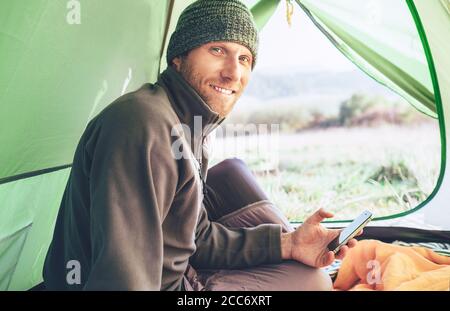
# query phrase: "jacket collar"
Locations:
[[188, 104]]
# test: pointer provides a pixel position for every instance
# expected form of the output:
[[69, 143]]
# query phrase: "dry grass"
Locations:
[[387, 169]]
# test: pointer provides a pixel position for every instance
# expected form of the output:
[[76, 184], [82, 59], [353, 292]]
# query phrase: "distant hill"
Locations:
[[308, 89], [267, 85]]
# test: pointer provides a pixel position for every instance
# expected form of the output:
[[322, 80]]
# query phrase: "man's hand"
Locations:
[[308, 243]]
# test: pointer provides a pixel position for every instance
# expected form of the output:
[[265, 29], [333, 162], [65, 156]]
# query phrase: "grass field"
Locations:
[[386, 169]]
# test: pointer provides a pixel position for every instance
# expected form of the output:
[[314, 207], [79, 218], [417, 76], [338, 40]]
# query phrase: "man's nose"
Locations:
[[231, 70]]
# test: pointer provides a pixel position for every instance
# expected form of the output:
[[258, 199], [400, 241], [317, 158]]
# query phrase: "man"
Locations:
[[138, 212]]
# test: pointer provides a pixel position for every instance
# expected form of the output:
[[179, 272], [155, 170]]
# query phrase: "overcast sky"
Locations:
[[301, 45]]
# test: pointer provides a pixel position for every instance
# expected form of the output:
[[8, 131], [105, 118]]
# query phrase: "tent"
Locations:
[[61, 62]]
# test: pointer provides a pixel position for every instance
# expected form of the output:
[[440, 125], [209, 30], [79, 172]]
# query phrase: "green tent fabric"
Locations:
[[380, 38], [434, 19], [57, 74]]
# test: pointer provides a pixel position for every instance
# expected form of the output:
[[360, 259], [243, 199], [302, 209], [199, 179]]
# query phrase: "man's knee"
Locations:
[[287, 276], [319, 280], [234, 185], [228, 168], [308, 278]]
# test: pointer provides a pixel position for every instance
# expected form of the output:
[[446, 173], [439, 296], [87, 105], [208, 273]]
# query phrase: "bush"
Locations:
[[355, 106], [394, 172], [290, 117], [358, 110], [362, 110]]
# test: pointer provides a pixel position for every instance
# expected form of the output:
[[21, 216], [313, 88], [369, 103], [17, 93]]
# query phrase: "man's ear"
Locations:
[[177, 63]]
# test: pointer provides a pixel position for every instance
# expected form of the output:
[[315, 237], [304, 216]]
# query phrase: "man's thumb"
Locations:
[[318, 216]]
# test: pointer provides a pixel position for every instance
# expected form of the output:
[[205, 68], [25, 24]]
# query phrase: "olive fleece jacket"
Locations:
[[132, 216]]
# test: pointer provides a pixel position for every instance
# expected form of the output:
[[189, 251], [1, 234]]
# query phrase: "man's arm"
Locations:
[[222, 247], [286, 246], [131, 187]]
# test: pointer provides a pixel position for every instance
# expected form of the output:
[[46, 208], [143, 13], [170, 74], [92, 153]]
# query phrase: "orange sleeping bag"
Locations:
[[374, 265]]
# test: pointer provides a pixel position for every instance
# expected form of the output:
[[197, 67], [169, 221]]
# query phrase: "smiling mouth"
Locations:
[[222, 90]]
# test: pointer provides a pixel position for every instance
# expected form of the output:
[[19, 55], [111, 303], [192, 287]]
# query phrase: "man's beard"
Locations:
[[216, 103], [193, 78]]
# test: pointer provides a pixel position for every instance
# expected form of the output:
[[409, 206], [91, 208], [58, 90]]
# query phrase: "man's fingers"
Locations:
[[328, 259], [318, 216], [342, 252], [352, 243], [334, 233]]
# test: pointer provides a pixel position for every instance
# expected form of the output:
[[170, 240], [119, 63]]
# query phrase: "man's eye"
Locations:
[[216, 49], [245, 59]]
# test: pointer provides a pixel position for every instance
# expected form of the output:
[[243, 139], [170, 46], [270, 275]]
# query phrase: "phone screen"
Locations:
[[350, 231]]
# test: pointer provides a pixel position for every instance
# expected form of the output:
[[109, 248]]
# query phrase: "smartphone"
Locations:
[[350, 231]]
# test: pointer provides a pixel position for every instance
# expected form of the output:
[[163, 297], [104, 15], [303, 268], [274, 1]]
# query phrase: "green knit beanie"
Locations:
[[213, 20]]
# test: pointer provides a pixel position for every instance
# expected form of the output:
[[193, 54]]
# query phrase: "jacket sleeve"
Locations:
[[131, 188], [220, 247]]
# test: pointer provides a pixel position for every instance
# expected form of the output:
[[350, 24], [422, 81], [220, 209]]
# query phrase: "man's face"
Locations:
[[218, 71]]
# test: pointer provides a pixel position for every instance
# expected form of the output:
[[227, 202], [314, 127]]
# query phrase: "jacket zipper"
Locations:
[[200, 162]]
